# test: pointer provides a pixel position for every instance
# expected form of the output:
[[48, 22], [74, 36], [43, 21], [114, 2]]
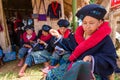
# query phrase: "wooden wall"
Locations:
[[113, 19], [52, 23]]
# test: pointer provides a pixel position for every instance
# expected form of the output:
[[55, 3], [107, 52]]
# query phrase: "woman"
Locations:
[[94, 43], [61, 53], [28, 38], [38, 55]]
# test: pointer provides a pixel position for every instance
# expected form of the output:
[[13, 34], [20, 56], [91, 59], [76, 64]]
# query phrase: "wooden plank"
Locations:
[[4, 36]]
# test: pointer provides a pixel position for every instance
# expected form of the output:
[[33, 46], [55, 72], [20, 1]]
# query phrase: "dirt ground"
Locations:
[[10, 70]]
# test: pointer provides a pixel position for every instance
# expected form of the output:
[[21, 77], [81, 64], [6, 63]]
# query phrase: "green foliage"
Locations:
[[117, 76]]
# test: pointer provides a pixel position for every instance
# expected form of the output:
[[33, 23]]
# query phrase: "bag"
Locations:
[[9, 56], [79, 71], [42, 17], [1, 53]]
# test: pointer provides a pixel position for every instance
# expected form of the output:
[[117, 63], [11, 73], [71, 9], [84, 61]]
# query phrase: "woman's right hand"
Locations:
[[27, 46], [55, 33], [38, 40], [42, 42]]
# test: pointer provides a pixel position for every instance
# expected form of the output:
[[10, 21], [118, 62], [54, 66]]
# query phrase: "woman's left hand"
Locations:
[[87, 58]]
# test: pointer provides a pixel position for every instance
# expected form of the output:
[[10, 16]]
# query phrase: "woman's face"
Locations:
[[62, 30], [29, 31], [44, 33], [90, 25]]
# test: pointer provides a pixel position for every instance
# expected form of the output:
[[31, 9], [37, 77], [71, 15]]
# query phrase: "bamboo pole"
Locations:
[[74, 7]]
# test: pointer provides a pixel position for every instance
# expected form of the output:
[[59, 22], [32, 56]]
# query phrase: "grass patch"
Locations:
[[10, 72], [117, 76], [8, 76]]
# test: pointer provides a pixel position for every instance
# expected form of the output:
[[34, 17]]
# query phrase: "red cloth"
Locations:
[[54, 7], [45, 38], [15, 23], [66, 34], [25, 39], [84, 45]]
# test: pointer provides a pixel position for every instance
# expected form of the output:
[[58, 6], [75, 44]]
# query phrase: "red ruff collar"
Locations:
[[26, 39], [95, 38], [66, 34], [54, 7], [45, 38]]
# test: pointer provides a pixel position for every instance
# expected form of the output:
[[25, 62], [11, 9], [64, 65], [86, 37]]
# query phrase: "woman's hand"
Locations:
[[32, 41], [55, 33], [38, 40], [87, 58], [41, 42], [27, 46]]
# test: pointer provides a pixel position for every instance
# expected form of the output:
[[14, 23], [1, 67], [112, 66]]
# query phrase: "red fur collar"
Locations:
[[96, 37], [66, 34], [54, 7], [45, 38]]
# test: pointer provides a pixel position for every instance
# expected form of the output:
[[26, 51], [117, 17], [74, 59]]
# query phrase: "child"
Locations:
[[44, 36], [28, 39], [94, 43], [40, 55], [60, 54]]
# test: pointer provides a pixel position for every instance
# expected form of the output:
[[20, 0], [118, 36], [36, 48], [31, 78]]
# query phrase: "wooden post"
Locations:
[[113, 17], [114, 27], [4, 36]]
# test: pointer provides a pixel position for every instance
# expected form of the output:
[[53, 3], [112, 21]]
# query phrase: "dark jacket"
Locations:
[[105, 57], [64, 43], [104, 54], [51, 13], [44, 38]]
